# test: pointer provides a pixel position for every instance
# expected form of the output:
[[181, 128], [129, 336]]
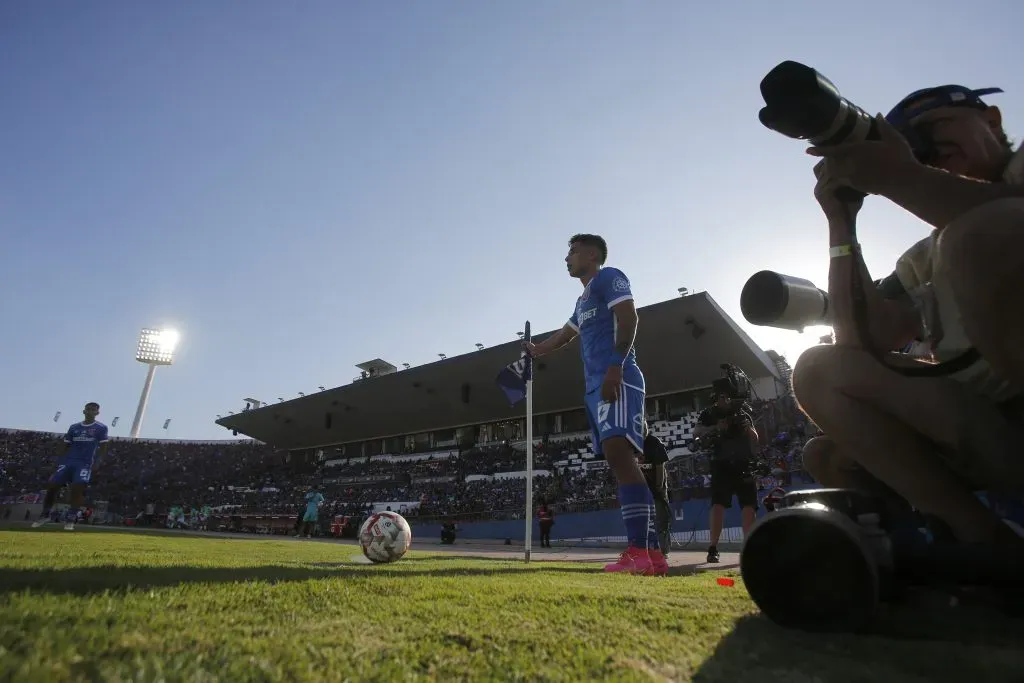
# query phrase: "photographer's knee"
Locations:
[[979, 245], [812, 373], [981, 256], [818, 455]]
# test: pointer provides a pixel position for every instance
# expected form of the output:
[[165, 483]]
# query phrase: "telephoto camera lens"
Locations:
[[783, 301], [804, 105], [819, 562]]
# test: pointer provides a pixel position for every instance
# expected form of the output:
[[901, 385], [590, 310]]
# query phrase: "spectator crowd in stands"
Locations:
[[147, 478]]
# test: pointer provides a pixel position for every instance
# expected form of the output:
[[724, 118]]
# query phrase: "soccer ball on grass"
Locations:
[[385, 537]]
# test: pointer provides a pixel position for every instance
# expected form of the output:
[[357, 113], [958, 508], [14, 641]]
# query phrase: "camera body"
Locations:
[[826, 559], [823, 560]]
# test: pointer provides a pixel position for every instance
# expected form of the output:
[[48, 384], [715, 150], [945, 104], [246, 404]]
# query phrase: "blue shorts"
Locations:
[[71, 473], [311, 515], [624, 417]]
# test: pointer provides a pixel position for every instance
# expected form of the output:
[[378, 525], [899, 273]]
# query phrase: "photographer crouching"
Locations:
[[932, 440], [733, 444]]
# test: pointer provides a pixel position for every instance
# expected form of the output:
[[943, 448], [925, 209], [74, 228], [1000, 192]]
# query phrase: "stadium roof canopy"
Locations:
[[680, 345]]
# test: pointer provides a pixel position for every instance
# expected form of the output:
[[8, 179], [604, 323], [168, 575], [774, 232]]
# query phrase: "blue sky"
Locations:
[[299, 187]]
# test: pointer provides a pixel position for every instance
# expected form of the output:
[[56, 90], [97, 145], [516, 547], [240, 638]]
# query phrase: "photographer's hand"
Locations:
[[871, 166], [841, 213], [887, 328]]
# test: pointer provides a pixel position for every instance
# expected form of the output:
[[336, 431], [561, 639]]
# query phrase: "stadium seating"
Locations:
[[143, 479]]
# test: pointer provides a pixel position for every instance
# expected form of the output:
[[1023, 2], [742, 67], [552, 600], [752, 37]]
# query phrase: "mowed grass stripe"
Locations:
[[129, 606]]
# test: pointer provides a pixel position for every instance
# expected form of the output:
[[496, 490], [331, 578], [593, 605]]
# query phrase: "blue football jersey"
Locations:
[[595, 322], [83, 441]]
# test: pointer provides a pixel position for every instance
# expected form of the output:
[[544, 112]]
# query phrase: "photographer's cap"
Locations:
[[927, 99]]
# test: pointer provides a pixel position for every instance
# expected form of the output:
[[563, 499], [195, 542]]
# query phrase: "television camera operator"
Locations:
[[932, 440], [652, 464], [727, 428]]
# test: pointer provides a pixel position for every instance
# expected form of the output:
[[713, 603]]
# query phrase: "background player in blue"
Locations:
[[314, 499], [605, 320], [84, 445]]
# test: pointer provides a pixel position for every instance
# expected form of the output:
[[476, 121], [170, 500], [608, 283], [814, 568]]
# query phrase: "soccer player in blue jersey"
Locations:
[[84, 445], [605, 320]]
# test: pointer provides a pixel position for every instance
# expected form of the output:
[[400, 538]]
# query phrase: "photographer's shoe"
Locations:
[[713, 557], [659, 565], [632, 561]]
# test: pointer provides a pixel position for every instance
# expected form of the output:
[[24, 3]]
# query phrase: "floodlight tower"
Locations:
[[156, 347]]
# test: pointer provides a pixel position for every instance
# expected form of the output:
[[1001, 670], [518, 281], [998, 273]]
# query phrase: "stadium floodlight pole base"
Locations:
[[143, 400]]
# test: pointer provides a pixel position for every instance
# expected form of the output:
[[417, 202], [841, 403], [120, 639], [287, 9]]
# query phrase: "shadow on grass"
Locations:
[[908, 643], [545, 559], [700, 568], [163, 532], [455, 556], [89, 580]]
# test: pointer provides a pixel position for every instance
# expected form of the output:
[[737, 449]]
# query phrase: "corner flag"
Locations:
[[516, 380], [513, 377]]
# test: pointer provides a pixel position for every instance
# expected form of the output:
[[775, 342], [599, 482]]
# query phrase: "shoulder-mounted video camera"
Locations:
[[735, 385]]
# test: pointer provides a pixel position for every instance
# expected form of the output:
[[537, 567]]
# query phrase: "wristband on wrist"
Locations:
[[616, 360], [841, 250]]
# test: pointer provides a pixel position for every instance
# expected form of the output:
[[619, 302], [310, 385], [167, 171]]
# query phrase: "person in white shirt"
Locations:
[[942, 155]]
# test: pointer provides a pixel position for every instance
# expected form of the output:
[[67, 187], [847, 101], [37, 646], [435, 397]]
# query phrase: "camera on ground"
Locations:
[[826, 560]]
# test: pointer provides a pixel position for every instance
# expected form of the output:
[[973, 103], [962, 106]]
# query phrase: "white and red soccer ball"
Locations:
[[385, 537]]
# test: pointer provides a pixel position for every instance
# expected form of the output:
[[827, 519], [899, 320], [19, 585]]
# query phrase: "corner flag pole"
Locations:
[[528, 376]]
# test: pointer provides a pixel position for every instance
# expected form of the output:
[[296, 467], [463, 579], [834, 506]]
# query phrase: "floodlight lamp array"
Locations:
[[156, 347]]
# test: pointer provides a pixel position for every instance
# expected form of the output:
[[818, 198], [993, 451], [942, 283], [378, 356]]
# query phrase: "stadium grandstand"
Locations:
[[447, 424], [438, 443], [681, 344]]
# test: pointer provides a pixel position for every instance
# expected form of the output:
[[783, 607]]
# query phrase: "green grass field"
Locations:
[[104, 605]]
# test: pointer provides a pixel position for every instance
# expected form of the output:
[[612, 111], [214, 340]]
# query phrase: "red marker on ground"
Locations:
[[725, 581]]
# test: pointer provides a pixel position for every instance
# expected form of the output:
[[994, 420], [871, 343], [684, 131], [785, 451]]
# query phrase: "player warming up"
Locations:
[[314, 499], [605, 320], [84, 445]]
